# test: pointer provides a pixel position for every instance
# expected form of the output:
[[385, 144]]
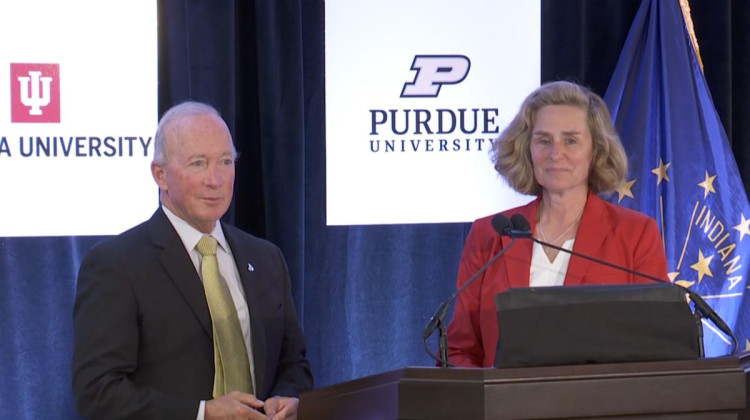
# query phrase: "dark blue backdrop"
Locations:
[[364, 293]]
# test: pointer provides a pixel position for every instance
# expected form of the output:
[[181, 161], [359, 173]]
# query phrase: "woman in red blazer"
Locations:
[[563, 148]]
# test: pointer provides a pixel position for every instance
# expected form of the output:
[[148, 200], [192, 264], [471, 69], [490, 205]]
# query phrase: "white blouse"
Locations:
[[549, 273]]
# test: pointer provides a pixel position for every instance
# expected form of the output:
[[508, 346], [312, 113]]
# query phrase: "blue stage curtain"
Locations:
[[38, 278], [364, 293]]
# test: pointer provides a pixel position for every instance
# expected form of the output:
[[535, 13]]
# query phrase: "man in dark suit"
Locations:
[[145, 330]]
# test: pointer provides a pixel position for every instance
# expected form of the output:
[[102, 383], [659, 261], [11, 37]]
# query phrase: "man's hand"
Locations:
[[282, 408], [235, 405]]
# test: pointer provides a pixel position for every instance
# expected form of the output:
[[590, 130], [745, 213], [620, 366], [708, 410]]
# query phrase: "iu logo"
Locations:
[[434, 71], [34, 93]]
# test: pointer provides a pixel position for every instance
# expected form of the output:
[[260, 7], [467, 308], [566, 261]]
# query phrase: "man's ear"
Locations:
[[160, 175]]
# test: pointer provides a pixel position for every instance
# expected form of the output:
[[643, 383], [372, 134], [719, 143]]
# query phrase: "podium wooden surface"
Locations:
[[694, 389]]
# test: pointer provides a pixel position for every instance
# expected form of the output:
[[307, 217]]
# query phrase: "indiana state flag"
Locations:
[[682, 171]]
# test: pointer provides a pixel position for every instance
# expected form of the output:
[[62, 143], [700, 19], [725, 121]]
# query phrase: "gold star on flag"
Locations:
[[702, 266], [708, 185], [743, 227], [624, 190], [747, 344], [661, 172], [684, 283]]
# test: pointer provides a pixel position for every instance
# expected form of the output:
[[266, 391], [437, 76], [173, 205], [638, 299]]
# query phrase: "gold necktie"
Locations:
[[232, 369]]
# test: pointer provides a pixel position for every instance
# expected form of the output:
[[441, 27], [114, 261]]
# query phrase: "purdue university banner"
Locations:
[[416, 92]]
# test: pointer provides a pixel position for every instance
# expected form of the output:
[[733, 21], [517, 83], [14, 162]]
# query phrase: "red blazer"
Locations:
[[606, 231]]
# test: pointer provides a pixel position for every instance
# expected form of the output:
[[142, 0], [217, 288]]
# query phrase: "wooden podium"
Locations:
[[696, 389]]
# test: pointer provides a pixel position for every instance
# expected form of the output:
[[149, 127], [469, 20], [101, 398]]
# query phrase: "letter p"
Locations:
[[434, 71]]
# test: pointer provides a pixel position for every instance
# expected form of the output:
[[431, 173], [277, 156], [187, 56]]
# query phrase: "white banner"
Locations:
[[76, 137], [416, 92]]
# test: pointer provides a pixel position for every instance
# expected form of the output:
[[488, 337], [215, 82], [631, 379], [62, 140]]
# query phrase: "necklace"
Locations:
[[541, 230]]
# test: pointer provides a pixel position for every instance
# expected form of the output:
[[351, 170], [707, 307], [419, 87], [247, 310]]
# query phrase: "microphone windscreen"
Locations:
[[501, 224], [520, 223]]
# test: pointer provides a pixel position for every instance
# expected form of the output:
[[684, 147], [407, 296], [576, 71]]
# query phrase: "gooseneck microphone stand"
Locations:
[[437, 321]]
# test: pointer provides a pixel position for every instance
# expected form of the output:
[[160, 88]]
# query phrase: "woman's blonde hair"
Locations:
[[511, 151]]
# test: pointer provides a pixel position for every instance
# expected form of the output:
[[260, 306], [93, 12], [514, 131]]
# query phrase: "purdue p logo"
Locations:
[[434, 71], [35, 93]]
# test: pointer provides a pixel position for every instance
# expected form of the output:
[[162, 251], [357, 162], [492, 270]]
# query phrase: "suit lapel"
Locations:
[[176, 262], [252, 285], [518, 258], [596, 225]]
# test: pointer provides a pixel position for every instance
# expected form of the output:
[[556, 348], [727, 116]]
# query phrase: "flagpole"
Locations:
[[685, 6]]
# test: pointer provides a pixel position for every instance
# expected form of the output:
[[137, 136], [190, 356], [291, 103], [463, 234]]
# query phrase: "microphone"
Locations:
[[522, 229], [500, 223], [514, 228], [520, 224]]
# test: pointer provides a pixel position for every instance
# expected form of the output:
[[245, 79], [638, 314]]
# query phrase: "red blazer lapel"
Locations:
[[594, 227], [518, 258]]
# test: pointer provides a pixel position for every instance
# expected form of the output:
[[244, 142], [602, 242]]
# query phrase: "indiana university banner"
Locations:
[[682, 171]]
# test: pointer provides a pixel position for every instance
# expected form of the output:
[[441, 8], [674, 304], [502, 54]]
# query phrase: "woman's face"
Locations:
[[561, 148]]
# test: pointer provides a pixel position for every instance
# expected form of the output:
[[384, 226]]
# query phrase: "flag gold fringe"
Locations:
[[689, 23]]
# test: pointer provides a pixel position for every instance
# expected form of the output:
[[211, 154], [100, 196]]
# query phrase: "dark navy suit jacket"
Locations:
[[143, 345]]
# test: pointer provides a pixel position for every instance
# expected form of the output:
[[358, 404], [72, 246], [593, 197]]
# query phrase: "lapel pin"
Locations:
[[250, 267]]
